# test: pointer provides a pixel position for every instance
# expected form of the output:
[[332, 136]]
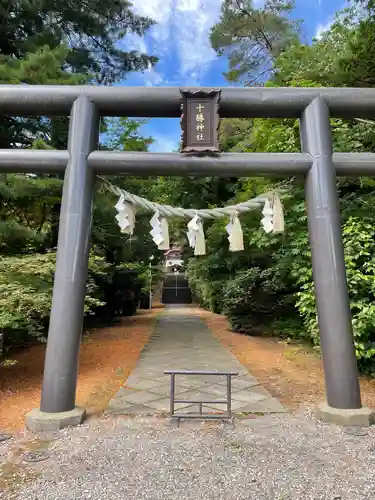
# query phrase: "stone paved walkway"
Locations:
[[182, 341]]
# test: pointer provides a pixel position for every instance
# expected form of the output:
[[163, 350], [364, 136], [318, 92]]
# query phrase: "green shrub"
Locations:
[[271, 282], [26, 293], [250, 300], [359, 243]]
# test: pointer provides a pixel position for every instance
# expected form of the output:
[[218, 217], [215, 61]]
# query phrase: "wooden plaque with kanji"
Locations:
[[200, 121]]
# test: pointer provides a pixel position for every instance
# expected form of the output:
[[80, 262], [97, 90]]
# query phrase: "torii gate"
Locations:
[[81, 162]]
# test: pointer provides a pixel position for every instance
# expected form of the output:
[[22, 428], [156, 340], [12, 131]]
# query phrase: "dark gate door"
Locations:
[[176, 289]]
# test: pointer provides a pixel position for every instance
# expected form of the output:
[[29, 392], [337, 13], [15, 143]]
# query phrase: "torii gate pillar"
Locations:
[[57, 408]]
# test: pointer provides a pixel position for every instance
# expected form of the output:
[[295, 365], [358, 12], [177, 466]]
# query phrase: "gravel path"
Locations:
[[274, 457]]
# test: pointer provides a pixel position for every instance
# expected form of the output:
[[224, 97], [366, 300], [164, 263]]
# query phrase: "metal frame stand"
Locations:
[[176, 417]]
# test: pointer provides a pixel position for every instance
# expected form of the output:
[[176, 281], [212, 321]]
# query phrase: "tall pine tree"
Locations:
[[253, 37]]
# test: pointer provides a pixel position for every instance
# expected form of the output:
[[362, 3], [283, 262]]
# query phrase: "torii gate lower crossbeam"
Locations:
[[317, 163]]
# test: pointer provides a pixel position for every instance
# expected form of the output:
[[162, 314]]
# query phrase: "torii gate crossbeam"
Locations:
[[81, 162]]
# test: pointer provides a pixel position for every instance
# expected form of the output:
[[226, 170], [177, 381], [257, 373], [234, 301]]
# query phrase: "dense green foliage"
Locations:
[[48, 42], [65, 42], [118, 270], [270, 285]]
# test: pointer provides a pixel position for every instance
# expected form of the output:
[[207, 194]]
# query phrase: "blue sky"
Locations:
[[181, 41]]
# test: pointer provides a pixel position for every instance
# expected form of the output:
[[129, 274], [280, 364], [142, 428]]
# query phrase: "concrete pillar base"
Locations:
[[361, 417], [38, 421]]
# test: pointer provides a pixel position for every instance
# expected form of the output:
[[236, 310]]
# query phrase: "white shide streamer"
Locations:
[[272, 221], [235, 234], [273, 216], [160, 231], [195, 235], [125, 216]]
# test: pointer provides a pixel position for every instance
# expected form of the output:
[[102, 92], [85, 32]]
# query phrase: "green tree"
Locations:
[[45, 42], [118, 263], [49, 42], [26, 207], [123, 134], [93, 30], [251, 38], [337, 58]]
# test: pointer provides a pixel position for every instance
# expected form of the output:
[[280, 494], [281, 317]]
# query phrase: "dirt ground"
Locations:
[[291, 372], [107, 357]]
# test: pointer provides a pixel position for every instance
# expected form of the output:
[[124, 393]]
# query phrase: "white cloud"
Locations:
[[322, 28], [133, 42], [182, 31], [358, 14], [158, 10], [161, 11], [163, 144], [152, 78]]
